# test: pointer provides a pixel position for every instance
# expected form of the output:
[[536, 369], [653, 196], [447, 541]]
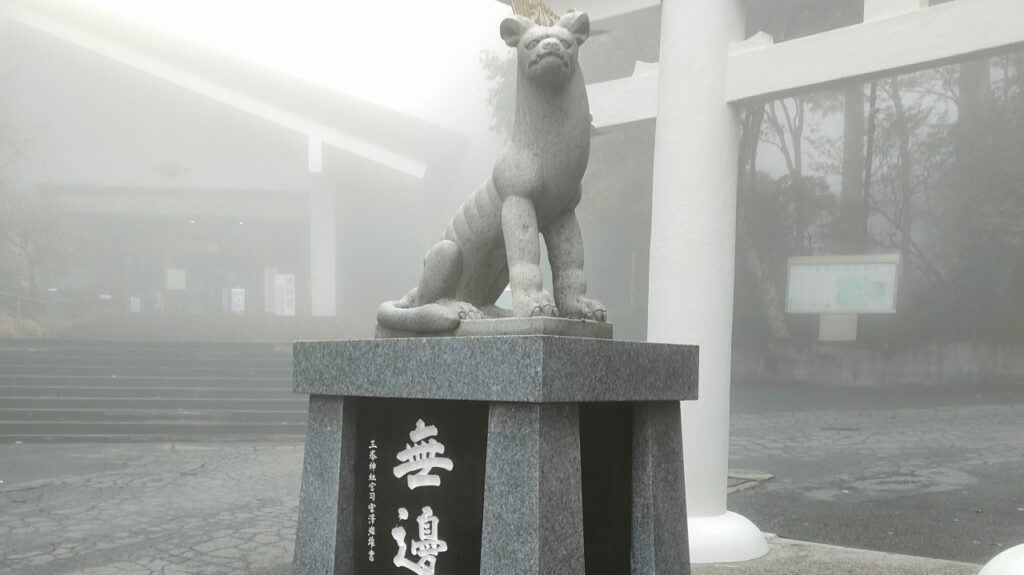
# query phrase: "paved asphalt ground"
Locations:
[[935, 472], [148, 508], [928, 472]]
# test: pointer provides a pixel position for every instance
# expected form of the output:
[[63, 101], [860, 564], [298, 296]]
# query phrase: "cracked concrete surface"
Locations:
[[943, 481], [930, 472], [145, 509], [907, 450]]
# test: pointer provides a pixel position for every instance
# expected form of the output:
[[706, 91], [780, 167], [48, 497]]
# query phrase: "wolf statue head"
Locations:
[[547, 55]]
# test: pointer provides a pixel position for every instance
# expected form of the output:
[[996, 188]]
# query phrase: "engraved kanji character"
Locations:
[[421, 457], [426, 548]]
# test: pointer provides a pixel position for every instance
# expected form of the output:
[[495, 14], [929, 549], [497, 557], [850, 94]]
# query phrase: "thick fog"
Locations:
[[169, 157], [156, 161], [234, 176]]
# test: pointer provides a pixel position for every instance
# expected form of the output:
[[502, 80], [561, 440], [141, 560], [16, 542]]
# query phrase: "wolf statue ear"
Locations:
[[578, 23], [513, 28]]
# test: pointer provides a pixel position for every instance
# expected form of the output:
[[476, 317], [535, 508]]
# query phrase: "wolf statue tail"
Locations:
[[428, 318]]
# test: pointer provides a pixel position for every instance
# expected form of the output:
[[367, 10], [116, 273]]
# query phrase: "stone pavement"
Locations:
[[940, 480], [908, 471], [788, 557], [113, 509]]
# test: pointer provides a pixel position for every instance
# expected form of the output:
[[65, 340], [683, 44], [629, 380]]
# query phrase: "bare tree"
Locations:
[[771, 302]]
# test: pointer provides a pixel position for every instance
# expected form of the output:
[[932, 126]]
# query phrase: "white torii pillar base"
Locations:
[[725, 538], [1009, 562], [693, 243]]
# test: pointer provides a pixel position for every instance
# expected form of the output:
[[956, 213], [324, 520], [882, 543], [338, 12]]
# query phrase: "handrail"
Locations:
[[24, 297], [18, 299]]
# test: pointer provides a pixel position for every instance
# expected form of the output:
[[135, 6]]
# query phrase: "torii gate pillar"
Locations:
[[693, 239]]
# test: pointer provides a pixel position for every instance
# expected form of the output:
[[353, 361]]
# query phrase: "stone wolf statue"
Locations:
[[492, 241]]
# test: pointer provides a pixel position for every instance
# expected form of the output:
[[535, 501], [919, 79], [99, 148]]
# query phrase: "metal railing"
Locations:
[[23, 306]]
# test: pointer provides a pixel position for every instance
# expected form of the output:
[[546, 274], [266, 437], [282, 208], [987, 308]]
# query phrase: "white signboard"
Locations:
[[238, 300], [176, 279], [842, 284], [285, 294]]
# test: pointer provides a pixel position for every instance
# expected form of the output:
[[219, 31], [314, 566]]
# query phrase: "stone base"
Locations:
[[513, 326], [535, 387], [518, 368]]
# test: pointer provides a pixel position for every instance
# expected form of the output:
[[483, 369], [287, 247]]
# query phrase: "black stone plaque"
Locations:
[[606, 433], [434, 506]]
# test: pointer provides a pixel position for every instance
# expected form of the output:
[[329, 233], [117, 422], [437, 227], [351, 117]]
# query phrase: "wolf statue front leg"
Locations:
[[522, 245], [565, 253]]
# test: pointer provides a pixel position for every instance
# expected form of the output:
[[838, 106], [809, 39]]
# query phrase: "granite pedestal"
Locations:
[[544, 479], [513, 326]]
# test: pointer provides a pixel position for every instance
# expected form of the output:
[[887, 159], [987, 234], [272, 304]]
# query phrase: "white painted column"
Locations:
[[323, 240], [693, 238], [322, 249]]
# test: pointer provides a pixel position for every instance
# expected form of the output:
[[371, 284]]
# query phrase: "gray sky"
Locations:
[[421, 57]]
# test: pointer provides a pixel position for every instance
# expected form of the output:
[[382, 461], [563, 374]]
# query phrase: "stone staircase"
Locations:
[[66, 390], [197, 328]]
